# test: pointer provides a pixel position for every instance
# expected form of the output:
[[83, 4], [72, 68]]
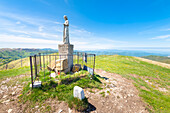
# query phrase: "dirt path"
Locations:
[[10, 89], [117, 96], [154, 62], [120, 96]]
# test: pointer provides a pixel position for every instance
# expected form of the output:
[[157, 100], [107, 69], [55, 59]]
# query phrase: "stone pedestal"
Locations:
[[66, 51]]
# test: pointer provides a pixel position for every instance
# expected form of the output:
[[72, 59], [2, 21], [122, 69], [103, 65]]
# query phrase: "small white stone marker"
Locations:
[[78, 92], [36, 84], [36, 106], [69, 110], [10, 110], [13, 93]]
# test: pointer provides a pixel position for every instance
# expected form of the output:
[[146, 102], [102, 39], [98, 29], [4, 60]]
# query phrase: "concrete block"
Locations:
[[60, 64], [78, 92]]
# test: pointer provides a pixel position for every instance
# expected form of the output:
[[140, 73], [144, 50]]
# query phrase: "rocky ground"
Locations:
[[117, 96], [10, 90]]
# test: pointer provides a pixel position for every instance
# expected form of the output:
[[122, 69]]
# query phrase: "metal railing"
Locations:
[[39, 63], [19, 62]]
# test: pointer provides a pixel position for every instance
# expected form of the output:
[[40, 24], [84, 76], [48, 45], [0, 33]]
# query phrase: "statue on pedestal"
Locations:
[[66, 31], [66, 49]]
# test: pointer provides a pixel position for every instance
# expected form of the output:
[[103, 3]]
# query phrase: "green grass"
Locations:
[[80, 105], [129, 66], [102, 93], [14, 72], [63, 91]]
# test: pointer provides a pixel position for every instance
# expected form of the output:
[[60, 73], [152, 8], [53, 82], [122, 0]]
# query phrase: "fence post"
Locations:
[[31, 71], [78, 58], [82, 58], [50, 65], [7, 65], [94, 63], [40, 60], [55, 61], [35, 65], [44, 67]]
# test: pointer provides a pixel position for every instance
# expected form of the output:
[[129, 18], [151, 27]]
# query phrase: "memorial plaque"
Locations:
[[90, 70]]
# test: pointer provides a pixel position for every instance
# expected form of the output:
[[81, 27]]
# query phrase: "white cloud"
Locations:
[[26, 19], [161, 37], [168, 29], [18, 22], [20, 39], [59, 23], [18, 31], [40, 28], [39, 34], [34, 33], [80, 32], [167, 39], [80, 44]]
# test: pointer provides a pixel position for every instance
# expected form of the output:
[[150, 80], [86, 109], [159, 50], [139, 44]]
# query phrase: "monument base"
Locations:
[[66, 51]]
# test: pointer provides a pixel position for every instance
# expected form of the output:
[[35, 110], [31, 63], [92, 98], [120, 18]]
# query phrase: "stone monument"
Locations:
[[66, 50]]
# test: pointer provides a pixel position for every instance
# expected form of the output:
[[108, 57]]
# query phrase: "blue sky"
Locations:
[[94, 24]]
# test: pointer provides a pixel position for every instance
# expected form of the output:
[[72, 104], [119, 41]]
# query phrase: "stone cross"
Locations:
[[66, 31]]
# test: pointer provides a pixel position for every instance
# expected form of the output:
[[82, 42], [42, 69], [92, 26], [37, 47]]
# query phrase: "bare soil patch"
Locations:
[[154, 62], [120, 95]]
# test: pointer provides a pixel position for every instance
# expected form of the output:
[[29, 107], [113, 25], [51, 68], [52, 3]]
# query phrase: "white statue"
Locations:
[[66, 31]]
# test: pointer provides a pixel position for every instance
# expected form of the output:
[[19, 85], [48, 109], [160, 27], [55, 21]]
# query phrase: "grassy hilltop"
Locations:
[[152, 81]]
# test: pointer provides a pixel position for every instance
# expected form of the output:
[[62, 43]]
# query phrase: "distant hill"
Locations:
[[8, 54], [158, 58], [136, 53]]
